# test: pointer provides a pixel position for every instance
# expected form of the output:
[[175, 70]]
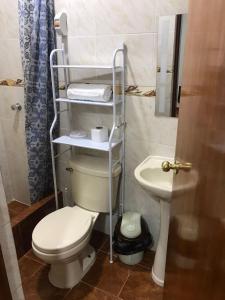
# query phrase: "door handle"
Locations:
[[177, 166]]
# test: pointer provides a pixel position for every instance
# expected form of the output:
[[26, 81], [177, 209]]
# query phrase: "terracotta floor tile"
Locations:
[[102, 254], [16, 208], [148, 259], [28, 267], [104, 281], [16, 205], [30, 254], [85, 292], [140, 286], [108, 277], [12, 214], [98, 239], [38, 287], [105, 245]]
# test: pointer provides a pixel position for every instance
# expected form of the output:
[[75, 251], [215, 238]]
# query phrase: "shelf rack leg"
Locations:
[[110, 148], [53, 126], [110, 207], [123, 132], [54, 175]]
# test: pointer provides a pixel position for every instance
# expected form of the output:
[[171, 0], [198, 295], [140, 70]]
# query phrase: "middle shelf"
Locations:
[[85, 143], [86, 102]]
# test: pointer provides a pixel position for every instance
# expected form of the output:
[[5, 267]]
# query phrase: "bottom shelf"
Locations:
[[85, 143]]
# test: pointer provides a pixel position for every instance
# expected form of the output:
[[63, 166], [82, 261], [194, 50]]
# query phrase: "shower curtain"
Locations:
[[37, 39]]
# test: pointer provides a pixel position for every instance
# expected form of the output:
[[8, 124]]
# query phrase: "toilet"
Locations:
[[61, 239]]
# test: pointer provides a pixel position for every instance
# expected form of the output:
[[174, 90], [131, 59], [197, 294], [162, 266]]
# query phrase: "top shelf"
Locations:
[[104, 67]]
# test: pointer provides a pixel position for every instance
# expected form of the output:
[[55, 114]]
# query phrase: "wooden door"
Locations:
[[196, 250]]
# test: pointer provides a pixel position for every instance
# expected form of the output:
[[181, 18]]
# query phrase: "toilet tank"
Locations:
[[90, 182]]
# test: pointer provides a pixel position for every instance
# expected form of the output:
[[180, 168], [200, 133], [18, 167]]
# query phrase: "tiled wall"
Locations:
[[96, 28], [8, 248], [13, 159]]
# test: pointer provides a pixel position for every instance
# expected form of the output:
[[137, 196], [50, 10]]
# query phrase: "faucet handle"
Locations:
[[16, 107]]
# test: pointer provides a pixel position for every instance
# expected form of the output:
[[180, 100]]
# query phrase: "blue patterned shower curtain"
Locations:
[[37, 39]]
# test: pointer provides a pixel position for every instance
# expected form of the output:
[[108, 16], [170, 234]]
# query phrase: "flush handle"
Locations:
[[177, 166], [16, 107]]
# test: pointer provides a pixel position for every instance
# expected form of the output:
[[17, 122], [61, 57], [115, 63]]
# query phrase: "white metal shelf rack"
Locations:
[[85, 142]]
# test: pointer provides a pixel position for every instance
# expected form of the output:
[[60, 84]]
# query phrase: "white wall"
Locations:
[[13, 156], [96, 28], [8, 248]]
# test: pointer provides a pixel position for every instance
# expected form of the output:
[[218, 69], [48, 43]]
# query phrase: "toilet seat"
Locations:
[[62, 230]]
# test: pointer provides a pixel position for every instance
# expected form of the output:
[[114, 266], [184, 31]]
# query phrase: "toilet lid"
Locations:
[[62, 230]]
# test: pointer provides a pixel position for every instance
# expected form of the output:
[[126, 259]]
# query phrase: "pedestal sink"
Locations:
[[150, 175], [160, 184]]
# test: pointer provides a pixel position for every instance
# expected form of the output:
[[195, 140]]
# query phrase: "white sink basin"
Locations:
[[150, 175]]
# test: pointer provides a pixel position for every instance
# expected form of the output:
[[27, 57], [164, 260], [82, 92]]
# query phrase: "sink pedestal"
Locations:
[[158, 269], [160, 184]]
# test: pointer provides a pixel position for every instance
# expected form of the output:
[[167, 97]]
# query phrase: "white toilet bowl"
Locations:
[[61, 240]]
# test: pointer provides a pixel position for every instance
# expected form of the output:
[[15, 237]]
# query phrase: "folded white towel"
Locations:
[[89, 91]]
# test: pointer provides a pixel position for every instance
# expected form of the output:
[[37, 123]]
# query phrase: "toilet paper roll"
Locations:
[[99, 134]]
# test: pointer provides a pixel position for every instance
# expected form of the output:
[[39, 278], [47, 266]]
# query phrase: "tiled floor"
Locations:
[[15, 208], [104, 281]]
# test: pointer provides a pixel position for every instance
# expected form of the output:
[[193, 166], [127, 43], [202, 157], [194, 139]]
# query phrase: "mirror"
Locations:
[[170, 55]]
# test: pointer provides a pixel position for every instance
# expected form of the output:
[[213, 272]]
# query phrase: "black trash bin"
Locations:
[[131, 250]]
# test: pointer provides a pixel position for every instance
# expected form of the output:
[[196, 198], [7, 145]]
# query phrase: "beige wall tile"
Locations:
[[81, 16], [157, 149], [138, 199], [129, 16], [9, 96], [9, 22], [13, 159], [138, 117], [96, 28], [14, 139], [141, 56], [82, 50], [163, 130], [10, 59], [170, 7], [136, 151]]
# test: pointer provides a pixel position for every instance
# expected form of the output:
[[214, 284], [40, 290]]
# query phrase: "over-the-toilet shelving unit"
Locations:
[[87, 142]]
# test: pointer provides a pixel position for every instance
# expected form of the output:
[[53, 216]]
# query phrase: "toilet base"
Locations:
[[67, 275]]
